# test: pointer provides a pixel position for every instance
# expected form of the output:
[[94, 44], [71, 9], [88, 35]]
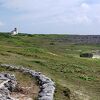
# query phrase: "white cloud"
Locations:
[[83, 20], [1, 23], [85, 7]]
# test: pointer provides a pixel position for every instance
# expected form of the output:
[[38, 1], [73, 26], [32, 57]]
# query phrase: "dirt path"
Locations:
[[26, 93], [96, 56], [19, 96]]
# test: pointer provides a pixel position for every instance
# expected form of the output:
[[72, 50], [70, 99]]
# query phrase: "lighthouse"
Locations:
[[14, 32]]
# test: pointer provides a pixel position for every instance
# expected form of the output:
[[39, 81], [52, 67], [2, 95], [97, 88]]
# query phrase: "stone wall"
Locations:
[[83, 39], [88, 39], [47, 86]]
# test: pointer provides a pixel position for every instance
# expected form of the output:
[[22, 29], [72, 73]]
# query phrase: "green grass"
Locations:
[[57, 59]]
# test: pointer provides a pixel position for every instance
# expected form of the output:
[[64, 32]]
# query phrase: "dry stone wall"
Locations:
[[79, 39], [47, 86]]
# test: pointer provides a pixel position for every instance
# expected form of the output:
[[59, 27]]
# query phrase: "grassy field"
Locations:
[[76, 78]]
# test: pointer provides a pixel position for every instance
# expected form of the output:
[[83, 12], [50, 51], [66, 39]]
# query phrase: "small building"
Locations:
[[14, 32], [86, 55]]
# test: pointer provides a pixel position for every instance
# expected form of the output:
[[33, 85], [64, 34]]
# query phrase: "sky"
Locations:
[[50, 16]]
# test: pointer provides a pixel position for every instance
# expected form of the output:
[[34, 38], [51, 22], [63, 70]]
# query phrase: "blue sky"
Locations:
[[51, 16]]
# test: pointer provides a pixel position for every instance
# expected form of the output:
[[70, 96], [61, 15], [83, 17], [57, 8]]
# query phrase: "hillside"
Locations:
[[57, 56]]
